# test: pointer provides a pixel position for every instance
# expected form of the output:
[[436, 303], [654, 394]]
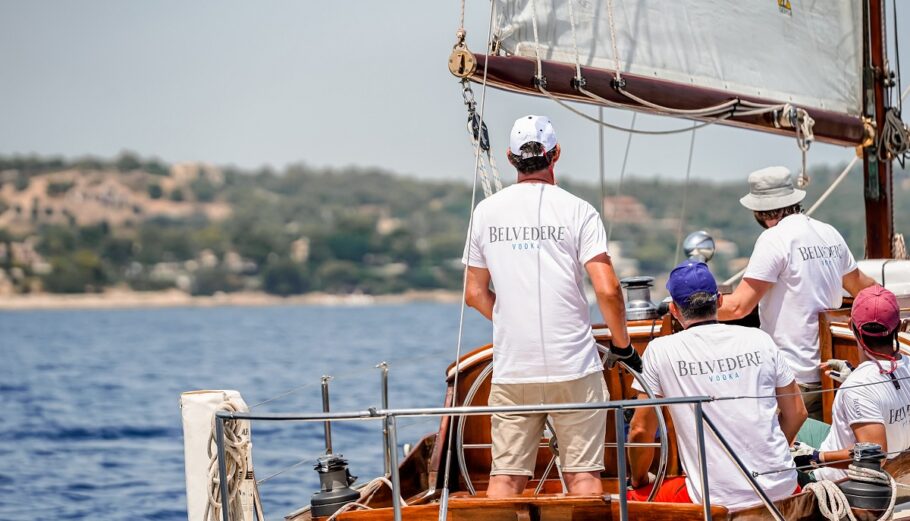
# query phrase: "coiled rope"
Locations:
[[833, 504], [236, 448]]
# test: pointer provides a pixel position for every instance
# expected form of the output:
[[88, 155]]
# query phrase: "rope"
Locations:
[[308, 459], [236, 447], [480, 139], [833, 504], [899, 247], [366, 494], [707, 111], [601, 165], [622, 175], [897, 55], [568, 107], [894, 139], [539, 77], [685, 201], [580, 81], [283, 394], [618, 65], [443, 509], [837, 181]]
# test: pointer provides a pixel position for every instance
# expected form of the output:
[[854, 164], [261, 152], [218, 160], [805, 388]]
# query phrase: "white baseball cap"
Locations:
[[770, 189], [532, 128]]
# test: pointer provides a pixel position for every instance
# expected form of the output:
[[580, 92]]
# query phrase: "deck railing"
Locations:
[[389, 417]]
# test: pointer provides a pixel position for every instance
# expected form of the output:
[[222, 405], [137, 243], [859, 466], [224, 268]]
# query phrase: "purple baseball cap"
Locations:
[[876, 305], [688, 278]]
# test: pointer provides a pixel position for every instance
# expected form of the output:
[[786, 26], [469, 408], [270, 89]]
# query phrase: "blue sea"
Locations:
[[91, 424]]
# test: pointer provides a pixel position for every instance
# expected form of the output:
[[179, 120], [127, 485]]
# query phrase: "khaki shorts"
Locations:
[[580, 434], [813, 400]]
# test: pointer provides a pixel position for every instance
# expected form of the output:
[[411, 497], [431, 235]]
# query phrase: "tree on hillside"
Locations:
[[285, 277]]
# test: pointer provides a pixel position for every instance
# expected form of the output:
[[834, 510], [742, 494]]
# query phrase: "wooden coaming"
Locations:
[[549, 507]]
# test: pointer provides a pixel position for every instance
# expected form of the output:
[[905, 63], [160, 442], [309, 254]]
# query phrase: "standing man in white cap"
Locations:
[[797, 269], [534, 241]]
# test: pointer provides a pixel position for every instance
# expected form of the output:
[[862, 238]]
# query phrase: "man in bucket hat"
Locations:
[[797, 269], [873, 403], [535, 242], [712, 359]]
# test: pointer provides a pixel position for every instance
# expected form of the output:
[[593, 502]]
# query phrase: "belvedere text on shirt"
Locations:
[[527, 233], [719, 365], [821, 252]]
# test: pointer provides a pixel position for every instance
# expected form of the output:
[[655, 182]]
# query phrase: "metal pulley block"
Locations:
[[462, 62]]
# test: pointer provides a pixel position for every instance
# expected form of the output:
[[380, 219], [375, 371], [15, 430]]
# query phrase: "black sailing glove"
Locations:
[[628, 355]]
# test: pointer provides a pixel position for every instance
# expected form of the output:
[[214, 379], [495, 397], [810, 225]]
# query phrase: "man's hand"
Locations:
[[625, 354], [804, 455], [651, 478], [837, 369]]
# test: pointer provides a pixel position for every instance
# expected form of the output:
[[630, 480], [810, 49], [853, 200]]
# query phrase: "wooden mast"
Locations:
[[877, 187]]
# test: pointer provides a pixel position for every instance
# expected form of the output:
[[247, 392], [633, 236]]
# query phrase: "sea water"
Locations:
[[91, 426]]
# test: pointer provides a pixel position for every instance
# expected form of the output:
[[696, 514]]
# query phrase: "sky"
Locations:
[[327, 83]]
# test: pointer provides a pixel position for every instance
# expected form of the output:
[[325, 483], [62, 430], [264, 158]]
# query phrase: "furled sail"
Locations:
[[808, 53]]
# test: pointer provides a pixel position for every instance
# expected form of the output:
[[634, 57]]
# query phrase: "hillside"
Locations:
[[87, 225]]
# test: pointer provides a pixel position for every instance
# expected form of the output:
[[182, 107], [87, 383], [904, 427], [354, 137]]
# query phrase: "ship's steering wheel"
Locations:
[[460, 446]]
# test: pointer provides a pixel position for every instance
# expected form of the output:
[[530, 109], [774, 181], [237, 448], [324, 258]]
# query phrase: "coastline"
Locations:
[[120, 299]]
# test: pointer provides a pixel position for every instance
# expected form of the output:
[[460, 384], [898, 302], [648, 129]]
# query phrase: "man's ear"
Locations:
[[720, 300], [556, 155], [675, 311], [511, 158]]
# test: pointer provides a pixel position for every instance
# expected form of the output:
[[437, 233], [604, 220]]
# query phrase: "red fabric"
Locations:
[[672, 490]]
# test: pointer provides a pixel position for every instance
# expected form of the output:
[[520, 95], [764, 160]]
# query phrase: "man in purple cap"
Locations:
[[713, 359], [873, 404], [536, 242], [799, 267]]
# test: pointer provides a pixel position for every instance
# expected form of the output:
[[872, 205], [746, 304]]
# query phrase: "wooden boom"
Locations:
[[516, 74]]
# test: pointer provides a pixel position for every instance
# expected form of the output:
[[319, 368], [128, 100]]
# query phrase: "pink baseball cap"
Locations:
[[876, 305]]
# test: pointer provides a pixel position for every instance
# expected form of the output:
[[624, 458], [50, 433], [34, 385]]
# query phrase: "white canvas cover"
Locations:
[[806, 52], [197, 409]]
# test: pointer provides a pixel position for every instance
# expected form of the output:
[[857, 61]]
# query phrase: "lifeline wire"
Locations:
[[816, 391], [819, 465], [622, 175], [685, 201]]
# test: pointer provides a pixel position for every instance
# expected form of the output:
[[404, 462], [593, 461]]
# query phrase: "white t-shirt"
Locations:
[[725, 360], [879, 403], [535, 239], [806, 260]]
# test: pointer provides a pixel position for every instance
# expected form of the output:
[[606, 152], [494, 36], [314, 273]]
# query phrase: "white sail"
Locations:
[[806, 52]]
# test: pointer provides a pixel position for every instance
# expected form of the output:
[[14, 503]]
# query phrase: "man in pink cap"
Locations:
[[535, 242], [873, 404]]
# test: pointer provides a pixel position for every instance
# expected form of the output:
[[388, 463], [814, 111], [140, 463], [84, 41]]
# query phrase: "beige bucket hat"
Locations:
[[771, 188]]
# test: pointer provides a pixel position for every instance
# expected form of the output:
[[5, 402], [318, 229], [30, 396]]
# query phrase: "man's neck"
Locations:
[[541, 176], [881, 357], [705, 322]]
